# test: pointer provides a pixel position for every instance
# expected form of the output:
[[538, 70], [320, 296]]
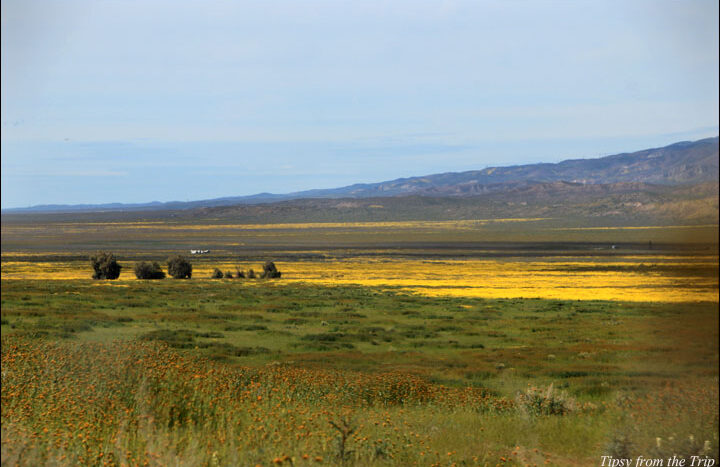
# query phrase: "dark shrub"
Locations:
[[179, 267], [251, 274], [105, 266], [228, 275], [147, 270], [216, 274], [270, 271], [239, 274]]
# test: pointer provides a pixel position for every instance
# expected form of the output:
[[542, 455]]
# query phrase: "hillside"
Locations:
[[572, 203], [616, 203], [679, 163]]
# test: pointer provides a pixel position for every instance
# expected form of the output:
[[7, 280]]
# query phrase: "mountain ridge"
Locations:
[[681, 163]]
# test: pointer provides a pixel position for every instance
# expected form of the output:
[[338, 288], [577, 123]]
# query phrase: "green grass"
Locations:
[[583, 344], [422, 380]]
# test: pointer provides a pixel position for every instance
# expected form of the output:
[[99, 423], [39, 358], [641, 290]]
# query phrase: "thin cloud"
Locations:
[[64, 173]]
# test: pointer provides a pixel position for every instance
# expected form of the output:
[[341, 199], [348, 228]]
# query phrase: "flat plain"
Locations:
[[477, 342]]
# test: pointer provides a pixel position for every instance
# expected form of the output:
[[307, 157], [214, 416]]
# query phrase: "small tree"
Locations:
[[105, 266], [239, 274], [147, 270], [179, 267], [270, 271], [228, 274], [251, 274], [216, 274]]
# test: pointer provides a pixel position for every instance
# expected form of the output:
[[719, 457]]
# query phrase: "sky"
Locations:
[[138, 101]]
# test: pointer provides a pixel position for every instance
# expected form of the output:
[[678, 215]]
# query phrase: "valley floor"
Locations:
[[387, 348]]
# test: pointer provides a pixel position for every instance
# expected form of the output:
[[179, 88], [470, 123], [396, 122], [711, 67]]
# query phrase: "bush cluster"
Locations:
[[179, 267], [147, 270], [105, 266], [270, 271]]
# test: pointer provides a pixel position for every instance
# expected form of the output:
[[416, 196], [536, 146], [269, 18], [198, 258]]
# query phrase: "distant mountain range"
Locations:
[[680, 164]]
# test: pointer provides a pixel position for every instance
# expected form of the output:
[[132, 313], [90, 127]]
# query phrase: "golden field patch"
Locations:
[[575, 280]]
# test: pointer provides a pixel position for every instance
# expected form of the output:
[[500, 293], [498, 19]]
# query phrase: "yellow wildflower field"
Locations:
[[158, 225], [575, 280]]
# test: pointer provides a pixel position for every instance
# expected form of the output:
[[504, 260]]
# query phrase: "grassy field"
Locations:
[[383, 344]]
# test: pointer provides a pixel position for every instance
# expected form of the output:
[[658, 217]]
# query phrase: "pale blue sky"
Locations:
[[133, 101]]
